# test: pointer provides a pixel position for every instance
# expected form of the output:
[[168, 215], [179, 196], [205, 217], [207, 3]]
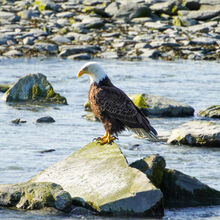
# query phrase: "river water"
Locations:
[[194, 83]]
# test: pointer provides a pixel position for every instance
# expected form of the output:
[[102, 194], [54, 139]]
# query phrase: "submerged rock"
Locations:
[[35, 196], [46, 119], [33, 88], [181, 190], [211, 112], [100, 176], [196, 133]]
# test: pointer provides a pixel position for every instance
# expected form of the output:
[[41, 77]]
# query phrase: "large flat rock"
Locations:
[[196, 133], [101, 176]]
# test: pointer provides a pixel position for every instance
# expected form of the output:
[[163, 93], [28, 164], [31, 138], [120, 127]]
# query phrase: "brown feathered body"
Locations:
[[116, 110]]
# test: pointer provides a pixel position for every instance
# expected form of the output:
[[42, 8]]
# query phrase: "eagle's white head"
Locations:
[[94, 70]]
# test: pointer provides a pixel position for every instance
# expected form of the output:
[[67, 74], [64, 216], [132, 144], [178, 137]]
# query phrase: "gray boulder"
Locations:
[[196, 133], [201, 15], [9, 16], [168, 7], [35, 196], [161, 106], [211, 112], [181, 190], [128, 10], [153, 166], [33, 88], [100, 176]]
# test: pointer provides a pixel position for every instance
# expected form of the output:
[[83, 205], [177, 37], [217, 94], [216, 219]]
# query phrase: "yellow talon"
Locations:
[[106, 139]]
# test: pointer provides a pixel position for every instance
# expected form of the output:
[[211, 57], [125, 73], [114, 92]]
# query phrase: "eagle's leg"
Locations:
[[102, 138], [107, 138]]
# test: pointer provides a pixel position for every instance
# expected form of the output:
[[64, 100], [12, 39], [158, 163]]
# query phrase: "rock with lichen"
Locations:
[[211, 112], [196, 133], [100, 176], [33, 88], [181, 190], [35, 196], [4, 87]]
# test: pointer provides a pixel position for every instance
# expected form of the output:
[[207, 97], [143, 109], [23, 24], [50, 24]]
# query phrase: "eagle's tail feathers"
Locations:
[[143, 133]]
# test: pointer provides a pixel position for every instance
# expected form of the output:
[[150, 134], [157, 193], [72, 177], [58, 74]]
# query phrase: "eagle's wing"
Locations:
[[119, 106]]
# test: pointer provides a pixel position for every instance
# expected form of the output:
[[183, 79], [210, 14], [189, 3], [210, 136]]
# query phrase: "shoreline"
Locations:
[[83, 30]]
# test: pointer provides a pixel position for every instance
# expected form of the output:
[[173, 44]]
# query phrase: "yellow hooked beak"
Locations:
[[80, 73]]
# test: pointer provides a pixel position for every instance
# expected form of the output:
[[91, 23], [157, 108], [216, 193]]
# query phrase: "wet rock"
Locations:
[[101, 176], [18, 121], [157, 26], [211, 112], [47, 5], [132, 10], [67, 50], [92, 22], [28, 41], [46, 119], [33, 88], [196, 133], [181, 190], [203, 41], [9, 16], [47, 151], [161, 106], [192, 4], [201, 15], [205, 27], [168, 7], [58, 39], [109, 55], [153, 167], [13, 53], [90, 117], [35, 196], [48, 47], [4, 87], [80, 56], [149, 53], [28, 14]]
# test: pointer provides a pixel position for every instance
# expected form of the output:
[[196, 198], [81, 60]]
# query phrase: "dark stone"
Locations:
[[181, 190], [46, 119]]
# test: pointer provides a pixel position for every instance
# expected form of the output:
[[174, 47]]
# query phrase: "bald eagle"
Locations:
[[113, 107]]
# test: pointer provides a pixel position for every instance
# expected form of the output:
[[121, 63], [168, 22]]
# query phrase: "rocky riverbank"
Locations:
[[130, 30]]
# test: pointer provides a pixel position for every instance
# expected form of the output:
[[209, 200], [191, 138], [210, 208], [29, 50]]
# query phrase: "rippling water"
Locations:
[[194, 83]]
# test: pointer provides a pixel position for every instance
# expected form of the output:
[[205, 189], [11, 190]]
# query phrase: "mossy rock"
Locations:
[[33, 88], [181, 190], [4, 87], [35, 196], [211, 112], [101, 177]]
